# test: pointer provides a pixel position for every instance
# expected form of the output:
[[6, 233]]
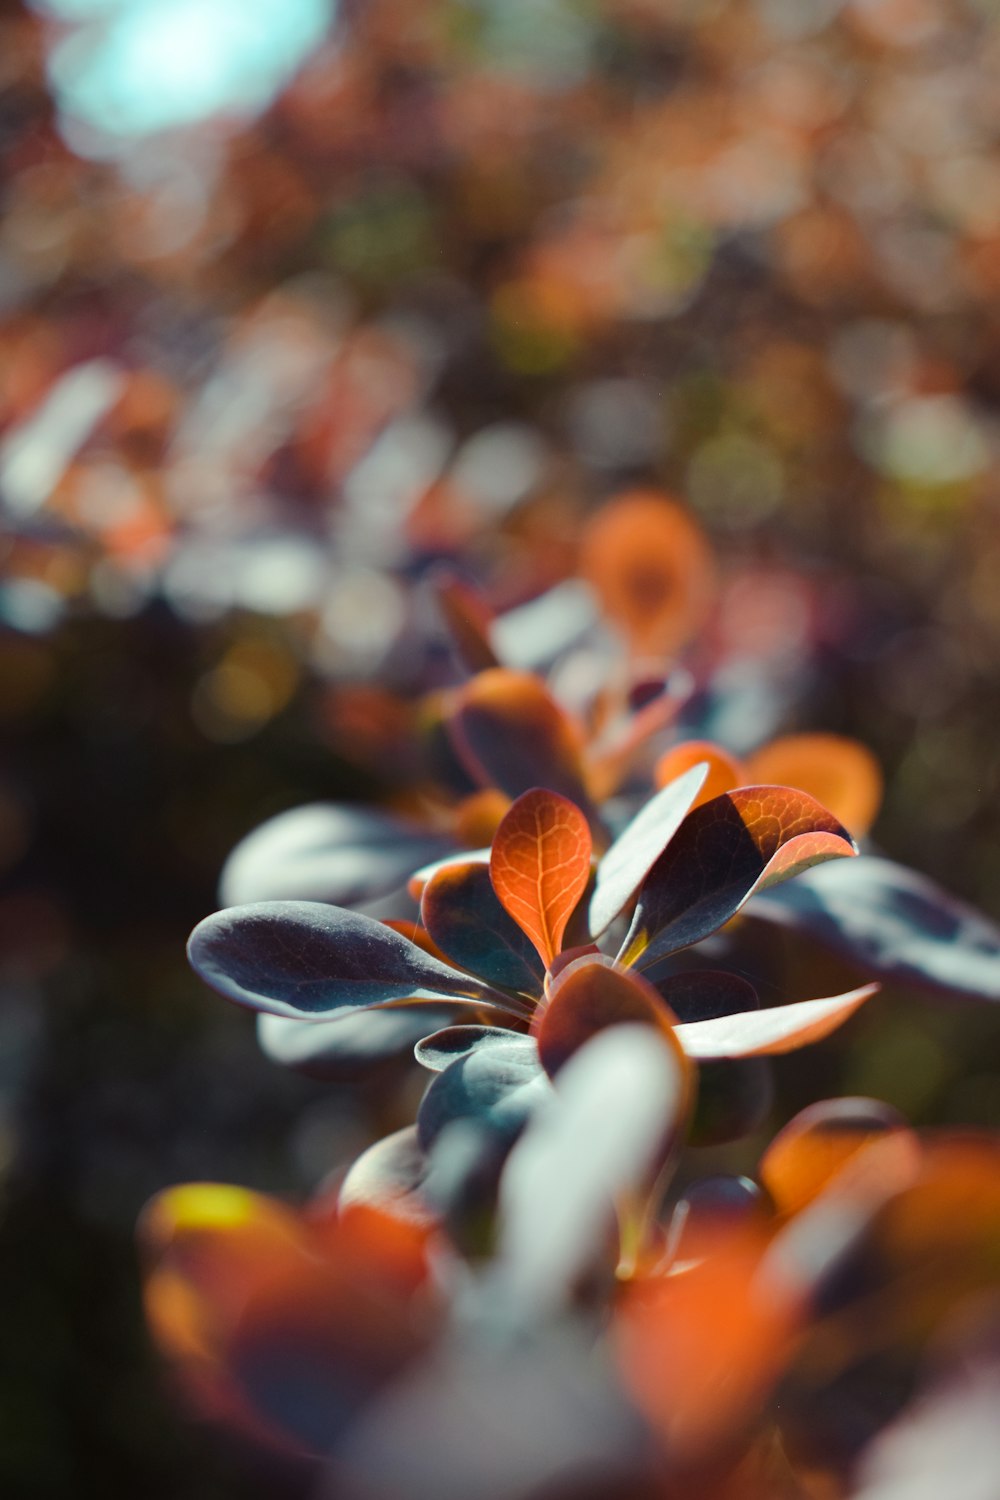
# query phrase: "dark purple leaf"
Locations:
[[894, 923], [303, 958], [724, 851], [499, 1086], [510, 733], [700, 994], [460, 910], [631, 857]]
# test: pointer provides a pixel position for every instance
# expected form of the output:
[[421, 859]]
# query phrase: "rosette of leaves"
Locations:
[[513, 943]]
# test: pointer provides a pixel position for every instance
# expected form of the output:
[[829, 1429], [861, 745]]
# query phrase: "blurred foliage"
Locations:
[[476, 268]]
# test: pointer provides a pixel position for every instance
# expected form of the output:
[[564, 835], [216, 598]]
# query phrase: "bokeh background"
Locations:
[[298, 300]]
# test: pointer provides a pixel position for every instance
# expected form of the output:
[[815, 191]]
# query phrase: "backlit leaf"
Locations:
[[626, 864], [303, 958], [469, 621], [740, 842], [540, 866], [779, 1028], [840, 773], [700, 1351]]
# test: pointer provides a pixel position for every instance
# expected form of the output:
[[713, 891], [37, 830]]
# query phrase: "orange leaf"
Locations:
[[540, 866], [840, 773], [818, 1143], [468, 621], [651, 568], [701, 1350], [724, 771]]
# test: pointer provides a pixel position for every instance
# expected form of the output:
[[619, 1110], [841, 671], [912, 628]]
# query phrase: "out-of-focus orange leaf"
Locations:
[[477, 818], [818, 1143], [511, 734], [540, 866], [211, 1246], [724, 771], [701, 1349], [241, 1291], [468, 620], [841, 773], [652, 569]]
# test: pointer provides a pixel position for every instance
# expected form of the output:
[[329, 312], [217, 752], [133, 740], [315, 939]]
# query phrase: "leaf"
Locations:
[[652, 569], [740, 842], [388, 1176], [468, 620], [540, 866], [353, 1046], [627, 863], [317, 1342], [805, 1156], [477, 818], [945, 1440], [724, 771], [438, 1051], [511, 734], [780, 1028], [327, 852], [539, 1407], [620, 1102], [419, 879], [588, 996], [622, 742], [302, 958], [702, 994], [710, 1204], [894, 923], [699, 1352], [498, 1086], [841, 773], [460, 910], [535, 635]]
